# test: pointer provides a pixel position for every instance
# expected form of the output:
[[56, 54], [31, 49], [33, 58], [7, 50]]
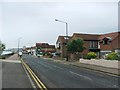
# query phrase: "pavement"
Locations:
[[98, 65], [58, 75], [14, 75]]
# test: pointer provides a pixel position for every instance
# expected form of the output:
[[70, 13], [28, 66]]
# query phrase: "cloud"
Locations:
[[35, 22]]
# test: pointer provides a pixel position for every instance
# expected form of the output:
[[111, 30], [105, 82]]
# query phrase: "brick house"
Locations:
[[61, 45], [98, 43], [109, 43], [90, 42]]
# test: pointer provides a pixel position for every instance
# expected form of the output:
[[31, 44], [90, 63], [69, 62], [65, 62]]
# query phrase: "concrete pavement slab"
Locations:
[[13, 57], [14, 76]]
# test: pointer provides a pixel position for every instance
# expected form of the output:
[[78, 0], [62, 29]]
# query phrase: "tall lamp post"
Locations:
[[19, 43], [66, 25]]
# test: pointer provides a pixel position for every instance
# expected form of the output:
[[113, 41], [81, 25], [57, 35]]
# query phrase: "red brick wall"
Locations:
[[86, 45], [112, 46], [105, 47], [116, 43], [62, 49]]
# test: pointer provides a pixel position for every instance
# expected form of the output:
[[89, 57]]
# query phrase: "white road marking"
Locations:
[[12, 61], [81, 75], [58, 67], [54, 66], [47, 66]]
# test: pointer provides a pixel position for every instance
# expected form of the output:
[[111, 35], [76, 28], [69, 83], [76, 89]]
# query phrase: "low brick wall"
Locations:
[[110, 66], [102, 62]]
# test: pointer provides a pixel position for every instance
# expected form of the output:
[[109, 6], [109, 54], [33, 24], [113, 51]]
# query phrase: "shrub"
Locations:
[[85, 57], [91, 55], [43, 53], [57, 54], [112, 56]]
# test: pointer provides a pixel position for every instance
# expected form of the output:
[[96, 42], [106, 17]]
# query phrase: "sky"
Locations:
[[32, 21]]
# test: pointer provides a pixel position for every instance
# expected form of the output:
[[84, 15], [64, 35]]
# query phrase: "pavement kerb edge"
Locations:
[[32, 83], [95, 70], [35, 76], [31, 74]]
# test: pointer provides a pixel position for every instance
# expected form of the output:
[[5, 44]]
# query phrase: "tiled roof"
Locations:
[[39, 44], [33, 47], [112, 35], [86, 36], [63, 38], [45, 45]]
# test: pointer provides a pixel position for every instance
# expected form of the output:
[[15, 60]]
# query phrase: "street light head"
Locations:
[[56, 19]]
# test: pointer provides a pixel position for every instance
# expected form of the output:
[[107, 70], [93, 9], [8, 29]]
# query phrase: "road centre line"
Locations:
[[54, 66], [47, 66], [80, 75], [85, 77], [58, 67]]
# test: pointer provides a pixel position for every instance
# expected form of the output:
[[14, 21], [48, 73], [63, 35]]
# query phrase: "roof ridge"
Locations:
[[85, 34]]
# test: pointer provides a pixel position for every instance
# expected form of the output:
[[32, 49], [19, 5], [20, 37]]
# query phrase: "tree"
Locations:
[[75, 46], [2, 46]]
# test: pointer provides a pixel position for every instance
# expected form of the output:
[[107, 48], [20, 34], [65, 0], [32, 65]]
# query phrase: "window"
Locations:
[[58, 45], [106, 40], [93, 44]]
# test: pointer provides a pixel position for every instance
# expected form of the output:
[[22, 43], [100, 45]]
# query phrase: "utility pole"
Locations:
[[18, 43]]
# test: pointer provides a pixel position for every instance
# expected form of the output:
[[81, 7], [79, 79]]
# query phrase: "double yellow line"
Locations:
[[35, 78]]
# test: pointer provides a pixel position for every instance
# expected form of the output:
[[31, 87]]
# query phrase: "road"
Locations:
[[57, 75]]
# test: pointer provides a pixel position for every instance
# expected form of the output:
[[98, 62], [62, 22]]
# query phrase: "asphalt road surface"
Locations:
[[56, 75]]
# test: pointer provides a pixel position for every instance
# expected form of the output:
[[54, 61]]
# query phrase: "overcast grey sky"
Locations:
[[35, 21]]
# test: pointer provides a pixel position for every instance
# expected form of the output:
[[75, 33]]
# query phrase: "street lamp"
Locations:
[[19, 43], [66, 25]]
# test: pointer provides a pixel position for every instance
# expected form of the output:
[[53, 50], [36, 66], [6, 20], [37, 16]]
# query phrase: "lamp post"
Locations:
[[18, 43], [66, 37]]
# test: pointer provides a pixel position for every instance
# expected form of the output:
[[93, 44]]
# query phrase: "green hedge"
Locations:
[[91, 55], [112, 56]]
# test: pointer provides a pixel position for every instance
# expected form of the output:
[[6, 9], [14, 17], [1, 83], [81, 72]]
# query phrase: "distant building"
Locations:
[[33, 50], [27, 50], [44, 48]]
